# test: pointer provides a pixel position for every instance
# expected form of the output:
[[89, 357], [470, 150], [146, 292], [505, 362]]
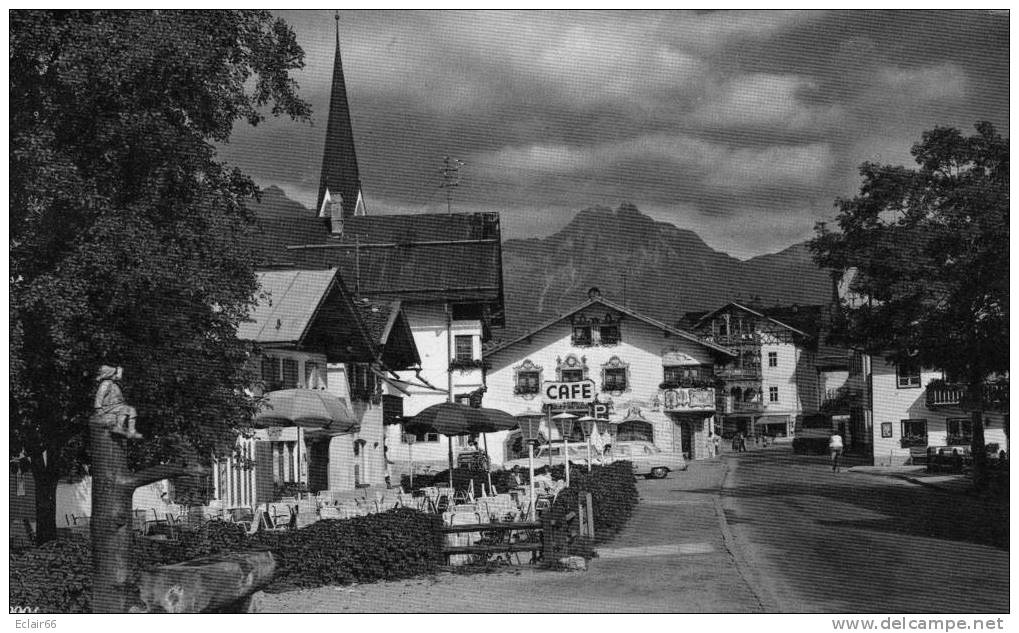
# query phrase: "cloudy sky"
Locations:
[[741, 126]]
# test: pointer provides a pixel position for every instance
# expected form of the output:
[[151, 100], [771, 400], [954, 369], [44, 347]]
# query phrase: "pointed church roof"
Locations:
[[340, 177]]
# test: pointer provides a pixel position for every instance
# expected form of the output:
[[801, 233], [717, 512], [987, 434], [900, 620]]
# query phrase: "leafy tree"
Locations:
[[927, 251], [126, 232]]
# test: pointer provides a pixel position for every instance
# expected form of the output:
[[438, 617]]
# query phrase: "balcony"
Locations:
[[745, 406], [739, 373], [735, 338], [681, 399], [839, 400], [941, 394]]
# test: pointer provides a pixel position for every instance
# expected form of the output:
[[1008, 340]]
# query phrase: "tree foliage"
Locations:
[[126, 232], [926, 249]]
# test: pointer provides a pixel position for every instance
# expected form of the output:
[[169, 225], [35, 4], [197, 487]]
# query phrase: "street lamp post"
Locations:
[[409, 439], [566, 427], [587, 425], [529, 428]]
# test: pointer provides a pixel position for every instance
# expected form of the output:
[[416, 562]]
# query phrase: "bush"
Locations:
[[503, 480], [613, 495], [53, 578], [397, 544]]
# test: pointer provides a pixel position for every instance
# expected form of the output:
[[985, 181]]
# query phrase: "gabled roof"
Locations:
[[288, 301], [415, 257], [390, 330], [733, 304], [340, 176], [311, 310], [605, 302]]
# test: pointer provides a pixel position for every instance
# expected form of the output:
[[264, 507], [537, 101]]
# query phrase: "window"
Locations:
[[772, 359], [573, 375], [615, 379], [363, 382], [960, 431], [279, 373], [856, 364], [772, 394], [635, 430], [429, 435], [314, 376], [680, 375], [609, 334], [527, 382], [289, 373], [914, 432], [582, 335], [269, 373], [463, 346], [907, 377]]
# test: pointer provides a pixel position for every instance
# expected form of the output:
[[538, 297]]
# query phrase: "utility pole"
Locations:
[[450, 178]]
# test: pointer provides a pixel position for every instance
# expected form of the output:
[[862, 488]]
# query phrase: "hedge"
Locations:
[[613, 491], [397, 544], [57, 577]]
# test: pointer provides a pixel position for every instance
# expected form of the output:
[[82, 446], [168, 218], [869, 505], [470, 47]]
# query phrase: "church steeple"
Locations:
[[339, 189]]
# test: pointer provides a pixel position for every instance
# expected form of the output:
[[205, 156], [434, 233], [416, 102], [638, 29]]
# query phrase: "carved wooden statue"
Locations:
[[110, 405]]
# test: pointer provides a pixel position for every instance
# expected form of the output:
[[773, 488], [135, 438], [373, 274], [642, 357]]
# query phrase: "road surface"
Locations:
[[817, 541]]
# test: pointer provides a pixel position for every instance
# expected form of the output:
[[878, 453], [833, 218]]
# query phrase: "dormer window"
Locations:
[[609, 334], [582, 335]]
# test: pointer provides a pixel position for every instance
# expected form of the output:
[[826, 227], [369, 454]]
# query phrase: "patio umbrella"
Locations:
[[451, 418], [309, 408]]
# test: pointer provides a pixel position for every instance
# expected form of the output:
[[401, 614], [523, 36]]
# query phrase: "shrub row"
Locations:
[[57, 577], [397, 544]]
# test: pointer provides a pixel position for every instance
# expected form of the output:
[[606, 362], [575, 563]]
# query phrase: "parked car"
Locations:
[[577, 453], [647, 459]]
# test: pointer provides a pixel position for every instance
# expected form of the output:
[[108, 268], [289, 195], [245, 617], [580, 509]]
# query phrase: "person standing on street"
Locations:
[[835, 447]]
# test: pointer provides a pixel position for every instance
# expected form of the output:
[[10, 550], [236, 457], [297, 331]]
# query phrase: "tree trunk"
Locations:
[[45, 500], [978, 446], [111, 520], [113, 486]]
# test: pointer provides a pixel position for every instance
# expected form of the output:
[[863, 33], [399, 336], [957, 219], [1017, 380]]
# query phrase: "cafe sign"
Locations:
[[582, 391]]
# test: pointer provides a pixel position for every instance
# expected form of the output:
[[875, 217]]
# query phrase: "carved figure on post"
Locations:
[[118, 416]]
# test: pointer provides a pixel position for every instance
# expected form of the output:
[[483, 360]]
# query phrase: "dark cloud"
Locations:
[[742, 126]]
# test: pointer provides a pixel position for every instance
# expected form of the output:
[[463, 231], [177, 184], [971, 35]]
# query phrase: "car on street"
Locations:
[[648, 460], [577, 453]]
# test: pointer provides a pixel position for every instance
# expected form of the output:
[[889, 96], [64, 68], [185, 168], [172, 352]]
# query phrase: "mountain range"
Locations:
[[652, 267]]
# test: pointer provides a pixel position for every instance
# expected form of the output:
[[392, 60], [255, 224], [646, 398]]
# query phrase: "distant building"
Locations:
[[650, 381], [773, 377]]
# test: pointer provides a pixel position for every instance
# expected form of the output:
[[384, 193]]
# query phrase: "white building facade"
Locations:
[[651, 381]]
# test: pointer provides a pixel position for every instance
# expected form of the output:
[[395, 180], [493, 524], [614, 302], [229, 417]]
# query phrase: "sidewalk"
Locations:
[[672, 557]]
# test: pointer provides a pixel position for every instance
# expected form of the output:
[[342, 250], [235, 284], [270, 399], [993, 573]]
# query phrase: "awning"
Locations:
[[399, 385], [310, 408], [772, 419]]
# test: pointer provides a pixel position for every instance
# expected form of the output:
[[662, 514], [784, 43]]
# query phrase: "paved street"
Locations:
[[795, 538], [817, 541]]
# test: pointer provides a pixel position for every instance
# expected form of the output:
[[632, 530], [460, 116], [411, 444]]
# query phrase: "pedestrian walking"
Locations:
[[716, 441], [742, 443], [835, 447]]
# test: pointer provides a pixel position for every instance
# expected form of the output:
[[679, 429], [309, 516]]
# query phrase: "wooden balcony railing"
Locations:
[[941, 394], [687, 399]]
